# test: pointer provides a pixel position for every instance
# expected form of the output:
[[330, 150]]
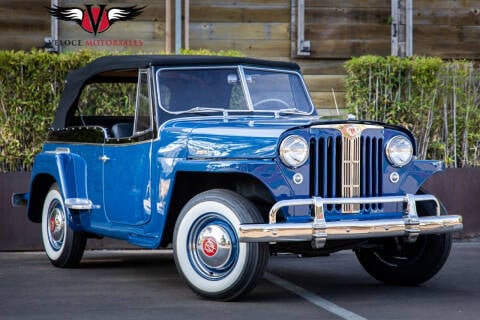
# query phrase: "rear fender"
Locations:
[[67, 169]]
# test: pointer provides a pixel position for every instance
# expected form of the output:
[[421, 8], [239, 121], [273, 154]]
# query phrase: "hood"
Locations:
[[232, 137], [237, 137]]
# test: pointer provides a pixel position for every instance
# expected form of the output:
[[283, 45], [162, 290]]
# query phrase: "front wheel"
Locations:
[[398, 262], [207, 252], [63, 246]]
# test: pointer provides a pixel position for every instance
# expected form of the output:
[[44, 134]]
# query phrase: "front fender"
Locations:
[[419, 172], [67, 169]]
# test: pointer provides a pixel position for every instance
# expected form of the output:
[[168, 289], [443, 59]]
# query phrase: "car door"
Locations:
[[127, 162], [86, 137]]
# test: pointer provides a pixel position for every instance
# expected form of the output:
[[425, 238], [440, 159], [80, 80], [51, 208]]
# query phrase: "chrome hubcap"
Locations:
[[214, 246], [56, 226]]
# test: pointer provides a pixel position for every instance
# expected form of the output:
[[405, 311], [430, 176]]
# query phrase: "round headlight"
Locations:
[[399, 151], [294, 151]]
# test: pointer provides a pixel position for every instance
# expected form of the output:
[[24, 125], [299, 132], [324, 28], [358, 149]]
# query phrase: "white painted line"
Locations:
[[313, 298]]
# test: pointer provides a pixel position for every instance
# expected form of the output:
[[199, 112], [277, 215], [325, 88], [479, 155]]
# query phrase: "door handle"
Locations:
[[104, 158]]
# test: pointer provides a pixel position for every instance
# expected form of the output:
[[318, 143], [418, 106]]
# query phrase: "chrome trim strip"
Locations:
[[340, 126], [78, 204], [59, 150]]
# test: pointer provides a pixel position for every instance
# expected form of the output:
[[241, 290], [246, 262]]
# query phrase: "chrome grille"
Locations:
[[350, 171], [347, 162]]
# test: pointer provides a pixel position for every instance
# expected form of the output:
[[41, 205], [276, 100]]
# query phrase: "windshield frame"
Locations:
[[240, 69]]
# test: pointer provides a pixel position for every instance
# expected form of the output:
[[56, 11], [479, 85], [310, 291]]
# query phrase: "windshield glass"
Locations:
[[185, 90], [273, 90]]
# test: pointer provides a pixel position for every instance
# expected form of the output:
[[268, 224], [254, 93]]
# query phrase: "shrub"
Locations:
[[438, 100], [30, 87]]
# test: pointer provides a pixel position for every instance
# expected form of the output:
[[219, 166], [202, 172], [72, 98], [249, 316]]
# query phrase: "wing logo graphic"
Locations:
[[95, 18]]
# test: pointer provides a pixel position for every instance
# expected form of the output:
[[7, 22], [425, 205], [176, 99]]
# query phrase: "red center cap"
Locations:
[[52, 224], [209, 247]]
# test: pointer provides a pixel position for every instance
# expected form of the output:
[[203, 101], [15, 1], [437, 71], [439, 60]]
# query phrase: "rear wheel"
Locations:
[[63, 246], [207, 251], [398, 262]]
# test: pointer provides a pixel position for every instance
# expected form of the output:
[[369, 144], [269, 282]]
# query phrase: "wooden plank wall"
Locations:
[[337, 29], [346, 28], [342, 28], [23, 25], [447, 28], [255, 28]]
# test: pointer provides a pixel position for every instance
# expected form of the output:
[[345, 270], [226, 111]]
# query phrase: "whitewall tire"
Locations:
[[63, 246], [207, 252]]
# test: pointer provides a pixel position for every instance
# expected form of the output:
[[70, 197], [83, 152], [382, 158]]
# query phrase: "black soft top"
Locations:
[[104, 67]]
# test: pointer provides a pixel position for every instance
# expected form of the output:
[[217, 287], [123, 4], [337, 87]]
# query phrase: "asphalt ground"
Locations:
[[145, 285]]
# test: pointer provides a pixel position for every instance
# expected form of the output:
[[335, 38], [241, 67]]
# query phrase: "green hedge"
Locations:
[[30, 87], [30, 84], [438, 100]]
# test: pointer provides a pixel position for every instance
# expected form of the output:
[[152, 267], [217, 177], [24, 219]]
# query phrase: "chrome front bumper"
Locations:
[[319, 231]]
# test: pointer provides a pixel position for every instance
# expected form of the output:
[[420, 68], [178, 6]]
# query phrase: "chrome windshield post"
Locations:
[[246, 90]]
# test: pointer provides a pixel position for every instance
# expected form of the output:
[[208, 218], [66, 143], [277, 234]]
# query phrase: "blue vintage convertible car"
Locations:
[[226, 159]]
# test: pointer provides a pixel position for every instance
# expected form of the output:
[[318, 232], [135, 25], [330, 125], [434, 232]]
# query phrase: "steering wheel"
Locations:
[[271, 100]]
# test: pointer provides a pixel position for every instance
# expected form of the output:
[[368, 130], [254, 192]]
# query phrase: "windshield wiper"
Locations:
[[203, 110], [290, 111]]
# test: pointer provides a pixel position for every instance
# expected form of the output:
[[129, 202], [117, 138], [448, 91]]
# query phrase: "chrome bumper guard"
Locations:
[[319, 231]]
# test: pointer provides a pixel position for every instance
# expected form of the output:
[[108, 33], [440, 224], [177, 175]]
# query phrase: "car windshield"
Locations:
[[232, 89]]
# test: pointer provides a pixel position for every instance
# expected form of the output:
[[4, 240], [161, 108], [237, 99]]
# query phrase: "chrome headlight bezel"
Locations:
[[399, 151], [294, 151]]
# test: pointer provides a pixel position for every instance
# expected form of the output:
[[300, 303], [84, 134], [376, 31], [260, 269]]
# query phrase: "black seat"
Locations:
[[122, 130]]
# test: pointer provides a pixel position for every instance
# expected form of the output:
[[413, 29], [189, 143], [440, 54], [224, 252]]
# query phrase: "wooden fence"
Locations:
[[337, 30]]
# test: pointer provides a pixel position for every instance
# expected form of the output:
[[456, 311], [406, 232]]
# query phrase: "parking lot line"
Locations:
[[313, 298]]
